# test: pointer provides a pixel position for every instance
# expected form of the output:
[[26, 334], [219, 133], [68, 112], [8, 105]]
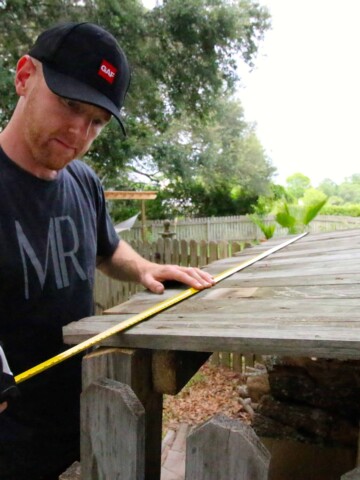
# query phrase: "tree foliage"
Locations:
[[297, 183], [344, 195], [186, 136]]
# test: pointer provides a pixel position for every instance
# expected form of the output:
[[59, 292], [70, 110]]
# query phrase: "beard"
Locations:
[[50, 146]]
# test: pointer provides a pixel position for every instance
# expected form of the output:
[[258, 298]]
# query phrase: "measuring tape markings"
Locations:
[[149, 312]]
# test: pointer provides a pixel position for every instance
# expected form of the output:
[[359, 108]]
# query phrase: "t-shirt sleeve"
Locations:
[[107, 238]]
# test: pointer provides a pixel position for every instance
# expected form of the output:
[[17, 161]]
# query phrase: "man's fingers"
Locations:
[[193, 277], [197, 278]]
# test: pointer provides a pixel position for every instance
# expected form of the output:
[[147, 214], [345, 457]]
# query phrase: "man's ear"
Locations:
[[24, 70]]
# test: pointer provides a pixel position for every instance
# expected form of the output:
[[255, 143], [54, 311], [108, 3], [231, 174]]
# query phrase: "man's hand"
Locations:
[[153, 276], [3, 406], [126, 264]]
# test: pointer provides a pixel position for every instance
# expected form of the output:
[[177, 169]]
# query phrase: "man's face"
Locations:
[[58, 130]]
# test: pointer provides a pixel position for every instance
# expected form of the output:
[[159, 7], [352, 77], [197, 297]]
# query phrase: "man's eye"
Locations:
[[100, 122], [70, 103]]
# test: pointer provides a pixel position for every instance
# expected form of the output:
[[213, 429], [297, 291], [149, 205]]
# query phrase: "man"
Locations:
[[54, 231]]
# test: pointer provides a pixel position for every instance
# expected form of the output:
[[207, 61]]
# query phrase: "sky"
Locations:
[[304, 91]]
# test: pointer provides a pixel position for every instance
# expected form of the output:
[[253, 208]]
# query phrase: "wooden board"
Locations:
[[130, 195], [302, 300]]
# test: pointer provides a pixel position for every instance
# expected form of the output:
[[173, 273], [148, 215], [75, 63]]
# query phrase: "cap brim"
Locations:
[[65, 86]]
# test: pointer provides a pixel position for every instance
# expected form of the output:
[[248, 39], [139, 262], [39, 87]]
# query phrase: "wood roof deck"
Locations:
[[303, 300]]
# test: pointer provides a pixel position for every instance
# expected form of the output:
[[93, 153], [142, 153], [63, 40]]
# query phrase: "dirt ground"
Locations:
[[214, 389]]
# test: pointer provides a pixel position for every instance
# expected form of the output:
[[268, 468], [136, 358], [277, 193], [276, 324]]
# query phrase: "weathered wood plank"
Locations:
[[112, 420], [288, 303], [344, 253], [306, 336], [294, 292], [323, 278], [141, 301], [223, 449], [220, 298], [264, 269], [133, 368], [168, 322], [232, 303]]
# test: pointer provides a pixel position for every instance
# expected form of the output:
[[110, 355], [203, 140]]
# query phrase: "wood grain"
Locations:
[[301, 301]]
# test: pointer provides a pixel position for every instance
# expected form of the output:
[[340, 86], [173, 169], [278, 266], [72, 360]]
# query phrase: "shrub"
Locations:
[[351, 210]]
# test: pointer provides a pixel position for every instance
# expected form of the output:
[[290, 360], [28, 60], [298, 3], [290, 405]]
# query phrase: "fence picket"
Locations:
[[203, 253], [212, 252], [194, 261], [215, 359], [160, 251], [223, 448], [226, 359], [184, 253], [237, 362], [236, 247], [176, 252], [146, 250], [222, 249], [167, 251], [239, 227]]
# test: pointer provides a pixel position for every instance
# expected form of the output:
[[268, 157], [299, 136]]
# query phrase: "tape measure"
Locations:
[[146, 314]]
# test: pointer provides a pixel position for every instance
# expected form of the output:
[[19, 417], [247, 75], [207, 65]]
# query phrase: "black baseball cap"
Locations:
[[84, 62]]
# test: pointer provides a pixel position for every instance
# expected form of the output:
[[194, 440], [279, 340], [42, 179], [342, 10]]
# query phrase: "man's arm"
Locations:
[[126, 264]]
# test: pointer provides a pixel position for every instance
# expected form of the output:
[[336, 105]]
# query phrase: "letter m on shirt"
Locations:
[[55, 255]]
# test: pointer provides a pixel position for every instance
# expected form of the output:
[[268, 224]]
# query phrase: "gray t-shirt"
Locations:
[[50, 235]]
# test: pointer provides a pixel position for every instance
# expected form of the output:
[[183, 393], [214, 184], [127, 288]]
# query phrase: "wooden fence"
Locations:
[[109, 292], [231, 228], [120, 438]]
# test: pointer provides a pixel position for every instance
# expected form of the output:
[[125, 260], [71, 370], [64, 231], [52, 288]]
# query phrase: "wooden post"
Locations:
[[223, 449], [134, 368], [237, 362], [173, 369], [112, 432], [143, 221]]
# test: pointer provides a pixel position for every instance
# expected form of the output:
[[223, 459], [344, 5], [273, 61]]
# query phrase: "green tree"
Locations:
[[329, 187], [349, 190], [297, 183], [183, 55]]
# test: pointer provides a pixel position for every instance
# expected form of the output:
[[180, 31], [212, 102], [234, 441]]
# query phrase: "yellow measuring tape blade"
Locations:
[[149, 312]]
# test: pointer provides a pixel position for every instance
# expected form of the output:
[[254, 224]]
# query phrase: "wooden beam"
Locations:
[[124, 195], [172, 370]]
